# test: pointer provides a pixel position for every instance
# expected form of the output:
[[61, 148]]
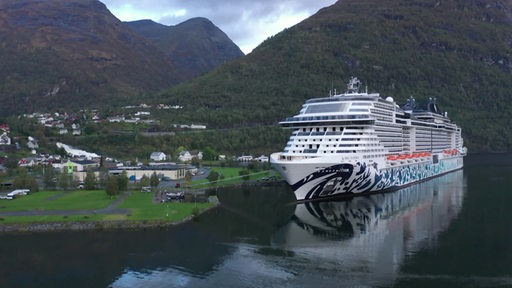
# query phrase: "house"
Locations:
[[244, 158], [186, 156], [158, 156], [262, 158], [76, 129], [26, 162], [81, 165], [5, 139], [4, 127], [32, 143], [173, 172]]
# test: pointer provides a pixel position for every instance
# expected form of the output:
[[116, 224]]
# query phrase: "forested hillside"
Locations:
[[456, 51], [74, 54], [195, 46]]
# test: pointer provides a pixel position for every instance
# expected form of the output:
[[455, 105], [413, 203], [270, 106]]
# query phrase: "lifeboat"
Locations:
[[392, 157]]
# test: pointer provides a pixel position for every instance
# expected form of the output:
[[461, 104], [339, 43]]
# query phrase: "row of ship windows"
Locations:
[[384, 106], [326, 129], [334, 145], [339, 152], [383, 119], [382, 112], [366, 139]]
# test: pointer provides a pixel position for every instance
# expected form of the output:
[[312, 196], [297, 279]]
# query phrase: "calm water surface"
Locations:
[[452, 231]]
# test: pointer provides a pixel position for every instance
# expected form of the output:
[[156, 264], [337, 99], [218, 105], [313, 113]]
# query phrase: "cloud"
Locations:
[[246, 22]]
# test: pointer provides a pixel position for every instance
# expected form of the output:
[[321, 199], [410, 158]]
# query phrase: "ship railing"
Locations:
[[327, 118]]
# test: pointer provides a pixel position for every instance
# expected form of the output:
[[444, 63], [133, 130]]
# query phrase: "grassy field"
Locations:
[[143, 208], [58, 200], [139, 206]]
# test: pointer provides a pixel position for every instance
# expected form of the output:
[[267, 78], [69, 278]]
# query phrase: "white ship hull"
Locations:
[[312, 181]]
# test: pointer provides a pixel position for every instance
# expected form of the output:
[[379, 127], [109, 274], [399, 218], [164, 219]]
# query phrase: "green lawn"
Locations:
[[140, 206], [143, 208], [73, 200]]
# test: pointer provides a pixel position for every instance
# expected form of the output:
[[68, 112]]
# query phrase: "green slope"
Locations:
[[455, 51]]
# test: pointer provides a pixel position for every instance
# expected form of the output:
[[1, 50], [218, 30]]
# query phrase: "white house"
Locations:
[[186, 156], [5, 139], [158, 156], [262, 158], [244, 158], [32, 143]]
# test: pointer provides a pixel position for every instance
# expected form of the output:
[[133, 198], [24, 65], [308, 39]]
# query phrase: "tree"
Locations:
[[153, 180], [209, 154], [112, 186], [213, 176], [49, 179], [25, 181], [64, 181], [90, 181], [144, 181], [103, 177], [188, 178], [122, 181]]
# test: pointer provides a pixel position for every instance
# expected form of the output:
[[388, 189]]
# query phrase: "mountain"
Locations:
[[73, 54], [69, 53], [458, 51], [195, 46]]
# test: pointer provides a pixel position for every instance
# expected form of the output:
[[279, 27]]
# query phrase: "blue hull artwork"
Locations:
[[346, 178]]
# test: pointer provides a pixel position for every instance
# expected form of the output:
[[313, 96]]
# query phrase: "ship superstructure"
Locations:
[[358, 142]]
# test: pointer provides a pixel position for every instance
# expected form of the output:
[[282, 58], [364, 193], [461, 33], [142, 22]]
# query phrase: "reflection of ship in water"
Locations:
[[374, 233]]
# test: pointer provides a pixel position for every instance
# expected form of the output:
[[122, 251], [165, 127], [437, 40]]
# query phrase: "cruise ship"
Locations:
[[358, 142]]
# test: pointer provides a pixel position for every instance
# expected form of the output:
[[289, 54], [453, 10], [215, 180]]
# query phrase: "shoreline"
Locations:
[[107, 225], [88, 226]]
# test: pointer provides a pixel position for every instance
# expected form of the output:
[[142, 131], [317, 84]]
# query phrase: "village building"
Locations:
[[186, 156], [244, 158], [135, 173], [5, 139], [158, 156]]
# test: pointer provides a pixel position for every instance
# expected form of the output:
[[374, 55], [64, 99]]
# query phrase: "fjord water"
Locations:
[[451, 231]]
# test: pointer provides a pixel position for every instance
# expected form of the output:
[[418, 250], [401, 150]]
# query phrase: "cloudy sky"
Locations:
[[246, 22]]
